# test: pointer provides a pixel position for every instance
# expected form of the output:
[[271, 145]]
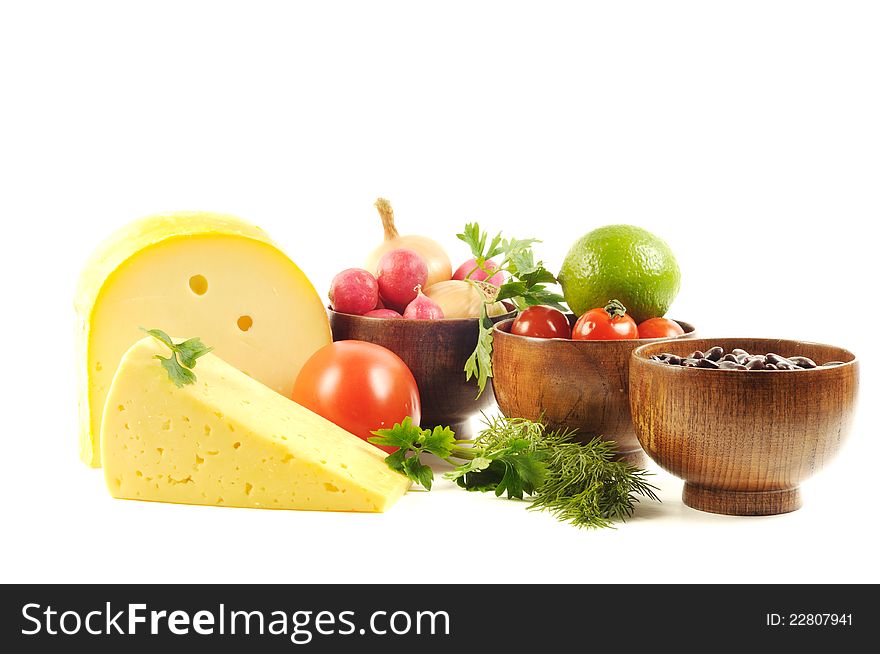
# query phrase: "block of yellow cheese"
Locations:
[[228, 440], [193, 273]]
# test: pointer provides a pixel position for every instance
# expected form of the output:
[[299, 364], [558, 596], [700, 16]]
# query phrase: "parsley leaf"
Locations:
[[524, 472], [479, 364], [486, 478], [189, 351], [520, 256], [516, 469], [413, 440], [439, 442], [511, 290], [537, 296], [160, 335], [477, 464], [476, 240], [418, 472], [395, 460], [176, 372], [537, 276], [403, 435], [525, 287], [183, 357]]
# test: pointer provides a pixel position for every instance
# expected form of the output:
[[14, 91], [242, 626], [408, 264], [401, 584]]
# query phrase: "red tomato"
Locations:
[[359, 386], [605, 324], [541, 322], [660, 328]]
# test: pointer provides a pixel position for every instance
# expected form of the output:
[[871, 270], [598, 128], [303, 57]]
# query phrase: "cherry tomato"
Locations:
[[660, 328], [605, 324], [541, 322], [359, 386]]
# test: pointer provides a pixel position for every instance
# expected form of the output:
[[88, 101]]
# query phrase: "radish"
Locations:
[[355, 291], [398, 274], [382, 313], [423, 308], [478, 274]]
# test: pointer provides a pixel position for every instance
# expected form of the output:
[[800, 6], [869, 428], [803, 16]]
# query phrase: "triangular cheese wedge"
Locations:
[[228, 440]]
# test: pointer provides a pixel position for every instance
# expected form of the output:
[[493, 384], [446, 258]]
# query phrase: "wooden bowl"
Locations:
[[435, 351], [579, 385], [743, 440]]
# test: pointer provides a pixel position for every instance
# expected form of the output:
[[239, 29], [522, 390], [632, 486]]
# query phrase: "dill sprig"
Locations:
[[584, 485]]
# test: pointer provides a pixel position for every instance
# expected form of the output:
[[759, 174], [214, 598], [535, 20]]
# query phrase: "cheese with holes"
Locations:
[[197, 274], [228, 440]]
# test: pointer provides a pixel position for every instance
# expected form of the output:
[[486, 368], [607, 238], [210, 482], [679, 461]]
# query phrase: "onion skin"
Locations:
[[461, 299], [439, 265]]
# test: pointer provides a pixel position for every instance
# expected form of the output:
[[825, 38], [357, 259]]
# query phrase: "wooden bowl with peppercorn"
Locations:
[[741, 436], [570, 384]]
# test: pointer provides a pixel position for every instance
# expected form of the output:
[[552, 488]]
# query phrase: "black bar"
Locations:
[[507, 618]]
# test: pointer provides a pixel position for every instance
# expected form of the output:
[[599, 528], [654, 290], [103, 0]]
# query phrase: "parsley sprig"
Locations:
[[578, 483], [183, 357], [413, 440], [525, 286]]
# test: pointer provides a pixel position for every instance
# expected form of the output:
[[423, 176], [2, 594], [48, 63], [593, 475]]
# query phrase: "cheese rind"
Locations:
[[228, 440], [209, 275]]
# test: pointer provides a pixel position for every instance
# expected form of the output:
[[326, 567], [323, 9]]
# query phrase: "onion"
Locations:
[[461, 299], [439, 266]]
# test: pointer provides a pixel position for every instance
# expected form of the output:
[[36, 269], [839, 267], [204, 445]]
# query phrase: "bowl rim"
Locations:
[[639, 354], [499, 327], [444, 321]]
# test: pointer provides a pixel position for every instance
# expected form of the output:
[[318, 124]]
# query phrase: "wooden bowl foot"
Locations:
[[729, 502]]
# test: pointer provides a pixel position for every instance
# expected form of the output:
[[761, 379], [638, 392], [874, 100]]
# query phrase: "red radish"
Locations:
[[423, 308], [355, 291], [399, 272], [382, 313], [478, 275]]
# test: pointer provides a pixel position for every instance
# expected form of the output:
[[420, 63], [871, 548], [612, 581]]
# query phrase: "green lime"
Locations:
[[620, 262]]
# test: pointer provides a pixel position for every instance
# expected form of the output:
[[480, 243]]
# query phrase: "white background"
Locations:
[[746, 134]]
